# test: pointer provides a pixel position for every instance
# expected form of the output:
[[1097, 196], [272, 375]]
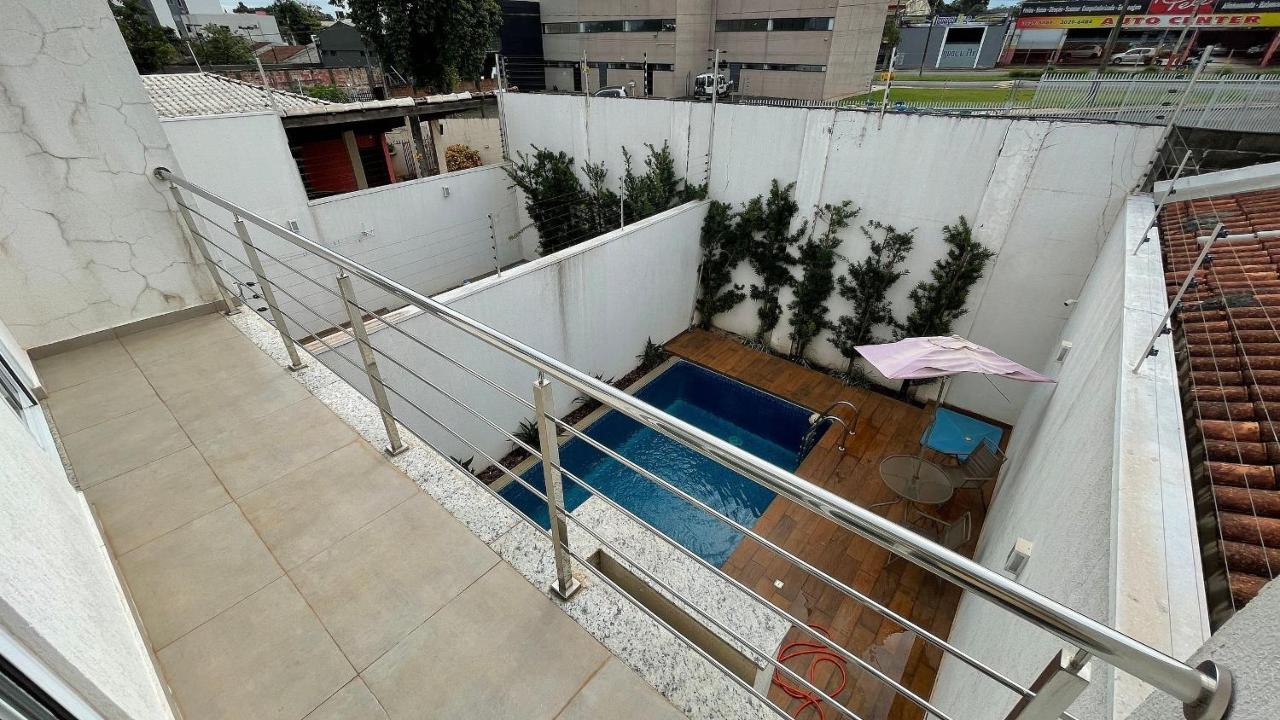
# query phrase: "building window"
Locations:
[[610, 26], [775, 24], [783, 67]]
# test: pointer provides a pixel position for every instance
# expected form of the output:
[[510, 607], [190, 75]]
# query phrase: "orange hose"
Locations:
[[821, 653]]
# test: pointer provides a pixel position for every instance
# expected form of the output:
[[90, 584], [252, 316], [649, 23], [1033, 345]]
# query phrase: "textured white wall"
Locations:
[[59, 595], [591, 306], [409, 231], [87, 237], [1041, 193]]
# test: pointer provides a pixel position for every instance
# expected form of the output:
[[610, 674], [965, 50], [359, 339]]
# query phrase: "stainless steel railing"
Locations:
[[1205, 691]]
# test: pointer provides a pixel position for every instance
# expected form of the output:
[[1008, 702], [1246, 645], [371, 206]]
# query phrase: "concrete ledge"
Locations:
[[1157, 590], [137, 326], [1223, 182]]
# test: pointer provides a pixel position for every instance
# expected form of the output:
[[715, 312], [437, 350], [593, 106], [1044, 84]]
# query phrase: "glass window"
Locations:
[[609, 26], [742, 25], [795, 24]]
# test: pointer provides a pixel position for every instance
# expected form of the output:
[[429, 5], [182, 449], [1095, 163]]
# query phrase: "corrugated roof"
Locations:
[[192, 94], [1229, 327]]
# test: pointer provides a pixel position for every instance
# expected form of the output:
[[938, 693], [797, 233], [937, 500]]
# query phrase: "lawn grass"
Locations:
[[927, 95]]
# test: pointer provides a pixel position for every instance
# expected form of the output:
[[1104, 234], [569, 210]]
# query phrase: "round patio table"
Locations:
[[916, 479]]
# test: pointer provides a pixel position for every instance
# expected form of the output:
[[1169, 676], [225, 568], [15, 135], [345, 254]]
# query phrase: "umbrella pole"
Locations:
[[942, 396]]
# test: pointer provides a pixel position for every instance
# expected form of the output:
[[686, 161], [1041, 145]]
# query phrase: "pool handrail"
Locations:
[[1204, 691]]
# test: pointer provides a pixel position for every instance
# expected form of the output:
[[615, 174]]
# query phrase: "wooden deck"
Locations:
[[887, 427]]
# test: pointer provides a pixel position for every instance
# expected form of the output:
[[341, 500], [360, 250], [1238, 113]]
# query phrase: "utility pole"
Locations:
[[1182, 36], [888, 83], [715, 93]]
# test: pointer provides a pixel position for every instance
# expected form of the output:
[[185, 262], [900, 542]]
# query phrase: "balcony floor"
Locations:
[[283, 568], [886, 427]]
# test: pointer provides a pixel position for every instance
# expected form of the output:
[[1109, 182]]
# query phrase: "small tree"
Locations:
[[461, 157], [150, 46], [553, 197], [721, 252], [938, 302], [768, 241], [866, 286], [817, 259], [298, 20], [601, 205], [658, 189], [217, 45]]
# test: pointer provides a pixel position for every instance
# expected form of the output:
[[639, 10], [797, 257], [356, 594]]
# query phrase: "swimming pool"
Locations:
[[762, 424]]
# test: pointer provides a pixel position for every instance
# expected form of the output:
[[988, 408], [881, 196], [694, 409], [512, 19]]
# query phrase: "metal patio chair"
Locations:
[[981, 467]]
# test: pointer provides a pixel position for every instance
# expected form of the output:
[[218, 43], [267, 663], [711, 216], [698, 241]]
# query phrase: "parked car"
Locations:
[[1081, 52], [1134, 56], [611, 91], [702, 85], [1255, 50]]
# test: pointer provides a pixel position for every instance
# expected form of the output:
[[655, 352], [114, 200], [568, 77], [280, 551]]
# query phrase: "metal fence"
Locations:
[[1205, 691], [1246, 102]]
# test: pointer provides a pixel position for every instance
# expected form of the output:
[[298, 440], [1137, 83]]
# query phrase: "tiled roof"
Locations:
[[1229, 343], [192, 94]]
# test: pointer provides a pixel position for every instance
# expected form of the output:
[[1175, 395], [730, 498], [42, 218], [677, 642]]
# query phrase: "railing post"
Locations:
[[264, 289], [228, 299], [394, 445], [565, 584], [1059, 684]]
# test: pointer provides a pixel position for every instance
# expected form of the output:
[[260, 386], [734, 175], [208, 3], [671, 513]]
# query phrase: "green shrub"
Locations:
[[332, 93]]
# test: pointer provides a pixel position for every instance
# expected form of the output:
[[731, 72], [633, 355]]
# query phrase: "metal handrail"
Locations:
[[1204, 691]]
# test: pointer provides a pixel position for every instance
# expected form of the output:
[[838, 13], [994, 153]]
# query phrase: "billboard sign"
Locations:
[[1211, 14]]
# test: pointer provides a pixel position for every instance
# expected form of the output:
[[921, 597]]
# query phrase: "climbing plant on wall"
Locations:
[[768, 244], [817, 261], [938, 302], [866, 286], [721, 252]]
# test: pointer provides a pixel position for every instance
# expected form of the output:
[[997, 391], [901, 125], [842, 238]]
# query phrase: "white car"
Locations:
[[1082, 52], [1134, 56]]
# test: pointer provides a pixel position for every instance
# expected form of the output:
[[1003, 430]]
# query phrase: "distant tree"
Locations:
[[244, 9], [892, 35], [939, 302], [298, 20], [436, 43], [217, 45], [150, 45], [866, 286]]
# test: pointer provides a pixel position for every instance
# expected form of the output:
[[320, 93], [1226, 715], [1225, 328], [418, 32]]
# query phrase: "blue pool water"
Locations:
[[760, 423]]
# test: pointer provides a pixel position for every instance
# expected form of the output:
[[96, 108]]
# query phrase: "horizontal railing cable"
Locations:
[[902, 621], [578, 522], [1189, 685]]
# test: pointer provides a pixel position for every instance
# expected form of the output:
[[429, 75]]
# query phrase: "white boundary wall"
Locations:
[[1040, 193], [591, 306], [412, 231], [1098, 481]]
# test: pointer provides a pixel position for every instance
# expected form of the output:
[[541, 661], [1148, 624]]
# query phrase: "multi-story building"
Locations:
[[815, 49]]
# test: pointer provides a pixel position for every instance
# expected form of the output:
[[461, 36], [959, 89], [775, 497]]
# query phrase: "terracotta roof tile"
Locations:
[[1229, 352]]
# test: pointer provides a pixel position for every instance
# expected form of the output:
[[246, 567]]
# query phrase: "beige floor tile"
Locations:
[[123, 444], [102, 398], [311, 508], [187, 576], [500, 649], [216, 408], [180, 337], [377, 585], [254, 452], [267, 658], [180, 373], [76, 366], [353, 702], [141, 505], [619, 694]]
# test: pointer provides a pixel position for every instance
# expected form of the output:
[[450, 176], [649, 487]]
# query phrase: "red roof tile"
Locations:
[[1229, 362]]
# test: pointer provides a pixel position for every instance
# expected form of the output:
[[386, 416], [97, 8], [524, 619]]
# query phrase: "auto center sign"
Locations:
[[1209, 14]]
